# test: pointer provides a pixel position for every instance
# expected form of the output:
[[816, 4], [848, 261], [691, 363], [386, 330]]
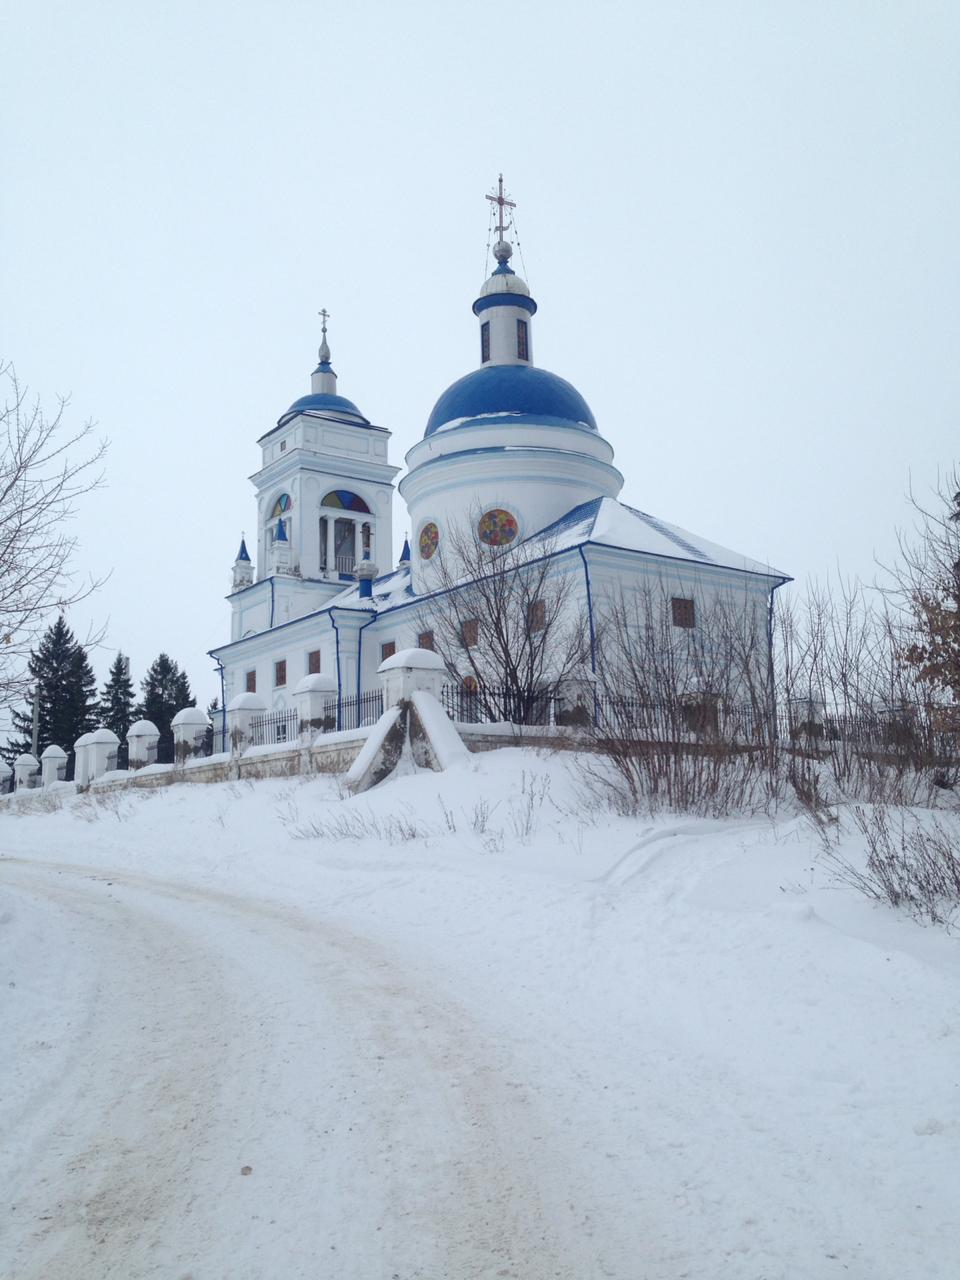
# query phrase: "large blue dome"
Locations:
[[515, 393]]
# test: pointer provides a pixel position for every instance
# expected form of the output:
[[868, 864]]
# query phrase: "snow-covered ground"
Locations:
[[471, 1029]]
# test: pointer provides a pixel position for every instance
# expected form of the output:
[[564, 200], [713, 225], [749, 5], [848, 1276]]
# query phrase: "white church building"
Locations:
[[509, 449]]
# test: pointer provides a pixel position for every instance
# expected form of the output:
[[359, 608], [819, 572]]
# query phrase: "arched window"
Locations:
[[344, 500], [280, 513]]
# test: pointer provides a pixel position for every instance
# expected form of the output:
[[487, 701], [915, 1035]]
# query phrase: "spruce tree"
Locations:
[[166, 690], [116, 698], [60, 671]]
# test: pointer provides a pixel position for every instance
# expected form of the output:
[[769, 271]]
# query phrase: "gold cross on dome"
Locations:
[[502, 202]]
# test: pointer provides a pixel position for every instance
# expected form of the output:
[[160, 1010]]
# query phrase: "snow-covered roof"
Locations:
[[606, 522], [390, 590]]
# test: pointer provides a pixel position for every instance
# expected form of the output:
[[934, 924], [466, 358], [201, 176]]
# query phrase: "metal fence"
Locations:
[[274, 726], [495, 706], [366, 709]]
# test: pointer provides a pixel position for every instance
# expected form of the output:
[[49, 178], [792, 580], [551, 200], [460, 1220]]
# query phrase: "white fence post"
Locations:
[[142, 739], [315, 699], [26, 769], [189, 730], [408, 671], [240, 712], [53, 765], [101, 752]]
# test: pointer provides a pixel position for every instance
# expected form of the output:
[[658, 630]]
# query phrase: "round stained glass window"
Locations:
[[429, 540], [497, 527]]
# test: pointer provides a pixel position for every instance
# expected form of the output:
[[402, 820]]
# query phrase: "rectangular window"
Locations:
[[387, 650], [522, 348], [425, 640], [683, 612], [470, 632], [536, 615], [485, 342], [313, 662], [280, 673], [323, 544], [251, 682], [283, 446]]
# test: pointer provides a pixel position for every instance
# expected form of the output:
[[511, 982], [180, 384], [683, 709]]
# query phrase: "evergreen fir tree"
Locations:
[[60, 671], [116, 698], [166, 690]]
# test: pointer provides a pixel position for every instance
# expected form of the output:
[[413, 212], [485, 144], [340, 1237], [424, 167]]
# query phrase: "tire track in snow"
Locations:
[[387, 1133]]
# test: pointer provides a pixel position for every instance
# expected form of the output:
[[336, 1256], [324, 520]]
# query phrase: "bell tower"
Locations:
[[325, 489]]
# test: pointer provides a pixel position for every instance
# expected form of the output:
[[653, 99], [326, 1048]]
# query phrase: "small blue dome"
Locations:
[[325, 403], [517, 392]]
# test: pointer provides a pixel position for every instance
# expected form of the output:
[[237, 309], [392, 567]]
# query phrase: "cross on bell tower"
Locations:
[[501, 250]]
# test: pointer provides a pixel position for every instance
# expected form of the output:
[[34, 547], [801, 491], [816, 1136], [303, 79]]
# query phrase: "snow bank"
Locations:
[[464, 1024]]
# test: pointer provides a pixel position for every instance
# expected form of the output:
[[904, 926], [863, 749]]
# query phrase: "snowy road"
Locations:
[[386, 1131], [475, 1033]]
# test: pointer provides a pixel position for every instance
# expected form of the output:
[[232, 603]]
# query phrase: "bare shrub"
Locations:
[[911, 864], [685, 713], [524, 815], [849, 699]]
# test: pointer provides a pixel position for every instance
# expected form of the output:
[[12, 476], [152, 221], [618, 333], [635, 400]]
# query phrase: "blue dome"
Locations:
[[518, 393], [325, 403]]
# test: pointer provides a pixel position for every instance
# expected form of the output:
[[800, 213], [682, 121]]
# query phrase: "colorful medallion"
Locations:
[[497, 527], [429, 540], [282, 504]]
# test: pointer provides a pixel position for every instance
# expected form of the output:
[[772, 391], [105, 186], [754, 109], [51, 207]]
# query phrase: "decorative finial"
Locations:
[[324, 315], [501, 250]]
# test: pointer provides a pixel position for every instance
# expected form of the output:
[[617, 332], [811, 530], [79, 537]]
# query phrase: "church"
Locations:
[[511, 455]]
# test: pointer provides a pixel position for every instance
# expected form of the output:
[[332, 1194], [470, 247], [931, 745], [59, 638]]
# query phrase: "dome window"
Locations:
[[485, 342], [522, 348], [429, 541], [344, 500], [497, 528]]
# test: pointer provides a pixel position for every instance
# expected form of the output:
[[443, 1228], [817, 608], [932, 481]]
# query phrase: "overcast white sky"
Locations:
[[740, 222]]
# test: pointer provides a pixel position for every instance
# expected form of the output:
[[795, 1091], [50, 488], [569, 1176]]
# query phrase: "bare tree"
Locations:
[[685, 708], [507, 622], [927, 582], [44, 469], [851, 700]]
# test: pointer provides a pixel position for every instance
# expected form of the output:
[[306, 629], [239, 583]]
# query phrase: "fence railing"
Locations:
[[492, 706], [357, 712], [274, 726], [701, 719]]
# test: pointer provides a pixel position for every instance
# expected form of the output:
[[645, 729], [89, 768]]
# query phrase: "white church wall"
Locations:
[[551, 486]]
